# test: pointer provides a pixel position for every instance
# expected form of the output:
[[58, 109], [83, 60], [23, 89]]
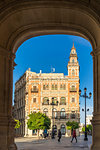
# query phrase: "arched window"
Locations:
[[73, 88], [54, 100], [43, 87], [55, 86], [62, 87], [62, 113], [73, 60], [45, 101], [63, 129], [62, 101], [46, 87], [45, 111], [73, 72], [52, 86], [54, 127], [54, 115]]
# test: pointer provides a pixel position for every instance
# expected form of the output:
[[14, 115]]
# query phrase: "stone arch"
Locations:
[[21, 20]]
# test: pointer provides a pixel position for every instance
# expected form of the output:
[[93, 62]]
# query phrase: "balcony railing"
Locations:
[[73, 90], [63, 117], [73, 116], [62, 103], [45, 103], [34, 90]]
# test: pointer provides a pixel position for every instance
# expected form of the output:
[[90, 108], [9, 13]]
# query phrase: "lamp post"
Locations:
[[85, 96], [53, 104]]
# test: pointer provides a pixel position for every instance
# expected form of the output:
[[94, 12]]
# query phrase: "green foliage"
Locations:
[[83, 129], [72, 125], [68, 127], [18, 124], [89, 128], [38, 121]]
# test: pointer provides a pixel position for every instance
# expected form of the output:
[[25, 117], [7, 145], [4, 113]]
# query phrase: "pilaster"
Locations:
[[96, 98], [6, 121]]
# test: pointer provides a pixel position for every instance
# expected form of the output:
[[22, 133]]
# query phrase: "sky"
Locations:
[[44, 52]]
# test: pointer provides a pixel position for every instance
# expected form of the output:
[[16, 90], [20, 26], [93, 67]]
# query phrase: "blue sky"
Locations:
[[44, 52]]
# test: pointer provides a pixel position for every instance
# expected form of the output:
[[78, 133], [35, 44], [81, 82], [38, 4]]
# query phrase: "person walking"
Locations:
[[74, 136], [59, 135]]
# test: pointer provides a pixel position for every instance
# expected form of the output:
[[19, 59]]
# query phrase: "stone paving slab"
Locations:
[[52, 144]]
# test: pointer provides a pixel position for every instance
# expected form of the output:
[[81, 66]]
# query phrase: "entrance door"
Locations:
[[63, 129]]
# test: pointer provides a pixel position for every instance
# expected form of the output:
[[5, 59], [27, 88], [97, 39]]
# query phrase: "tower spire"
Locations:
[[73, 45]]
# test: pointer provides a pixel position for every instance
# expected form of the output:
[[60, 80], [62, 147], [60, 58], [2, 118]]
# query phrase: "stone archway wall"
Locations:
[[20, 20]]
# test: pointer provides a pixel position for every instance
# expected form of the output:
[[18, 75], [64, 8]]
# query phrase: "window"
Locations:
[[54, 127], [34, 88], [73, 115], [54, 87], [62, 87], [43, 87], [45, 101], [45, 111], [46, 87], [63, 129], [62, 101], [34, 100], [73, 88], [73, 72], [73, 61], [62, 113], [54, 115], [54, 100], [73, 100]]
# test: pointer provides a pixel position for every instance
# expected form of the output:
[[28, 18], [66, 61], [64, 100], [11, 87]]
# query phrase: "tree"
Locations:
[[72, 125], [18, 124], [89, 129], [38, 121]]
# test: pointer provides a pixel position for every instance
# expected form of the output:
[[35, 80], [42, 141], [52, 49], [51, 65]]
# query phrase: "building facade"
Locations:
[[54, 94], [88, 119]]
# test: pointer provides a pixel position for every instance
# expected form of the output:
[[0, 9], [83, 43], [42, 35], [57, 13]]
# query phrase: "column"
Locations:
[[96, 99], [6, 81]]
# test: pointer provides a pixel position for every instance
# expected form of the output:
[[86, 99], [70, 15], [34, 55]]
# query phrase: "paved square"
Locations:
[[53, 144]]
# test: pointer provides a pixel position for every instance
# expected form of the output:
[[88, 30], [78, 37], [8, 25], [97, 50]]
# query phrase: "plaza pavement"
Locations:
[[52, 144]]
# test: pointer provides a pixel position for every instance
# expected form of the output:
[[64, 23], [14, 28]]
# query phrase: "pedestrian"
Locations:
[[74, 136], [59, 135], [45, 133]]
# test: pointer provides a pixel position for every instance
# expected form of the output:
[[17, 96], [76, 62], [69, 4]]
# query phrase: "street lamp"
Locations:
[[85, 96], [53, 104]]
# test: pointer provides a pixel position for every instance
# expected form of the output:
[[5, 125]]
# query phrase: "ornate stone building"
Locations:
[[54, 94], [21, 20]]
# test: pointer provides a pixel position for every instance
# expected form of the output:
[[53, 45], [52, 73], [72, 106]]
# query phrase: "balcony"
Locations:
[[45, 103], [73, 90], [62, 103], [62, 117], [73, 116], [34, 90]]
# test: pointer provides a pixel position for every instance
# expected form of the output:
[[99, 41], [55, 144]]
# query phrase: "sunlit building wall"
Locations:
[[37, 91]]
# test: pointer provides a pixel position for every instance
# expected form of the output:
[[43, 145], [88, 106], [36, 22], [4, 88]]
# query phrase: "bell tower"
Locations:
[[73, 65]]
